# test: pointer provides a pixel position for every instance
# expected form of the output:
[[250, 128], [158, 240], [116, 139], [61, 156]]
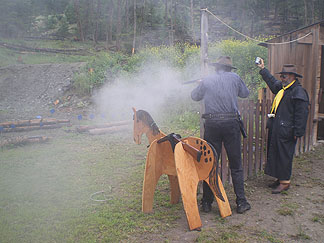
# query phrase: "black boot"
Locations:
[[242, 207], [206, 207], [274, 184]]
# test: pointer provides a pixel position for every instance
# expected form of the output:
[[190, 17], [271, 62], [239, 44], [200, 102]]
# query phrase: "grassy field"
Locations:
[[45, 191]]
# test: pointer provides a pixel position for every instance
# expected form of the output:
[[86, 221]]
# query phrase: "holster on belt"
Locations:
[[227, 116], [242, 129]]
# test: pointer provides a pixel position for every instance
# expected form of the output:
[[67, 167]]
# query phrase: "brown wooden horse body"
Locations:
[[162, 164], [181, 168]]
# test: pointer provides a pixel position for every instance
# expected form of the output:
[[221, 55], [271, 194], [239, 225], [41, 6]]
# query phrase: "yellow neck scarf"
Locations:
[[278, 98]]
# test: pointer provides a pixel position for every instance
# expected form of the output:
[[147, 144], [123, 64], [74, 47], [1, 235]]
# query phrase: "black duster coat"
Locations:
[[289, 122]]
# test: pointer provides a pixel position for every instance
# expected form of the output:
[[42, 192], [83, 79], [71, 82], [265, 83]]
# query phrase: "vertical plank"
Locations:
[[245, 142], [314, 62], [267, 111], [250, 137], [297, 148], [257, 137], [263, 131]]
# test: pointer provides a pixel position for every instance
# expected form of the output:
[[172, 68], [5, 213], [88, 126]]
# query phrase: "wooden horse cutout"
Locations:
[[190, 172], [159, 161], [178, 164]]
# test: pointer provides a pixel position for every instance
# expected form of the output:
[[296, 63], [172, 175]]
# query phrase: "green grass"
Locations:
[[318, 218], [268, 236], [45, 191], [301, 235]]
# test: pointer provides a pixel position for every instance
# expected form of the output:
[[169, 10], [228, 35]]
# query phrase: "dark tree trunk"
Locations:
[[98, 17], [166, 15], [192, 21], [171, 24], [142, 23], [127, 14], [79, 22], [305, 12], [118, 32], [134, 38]]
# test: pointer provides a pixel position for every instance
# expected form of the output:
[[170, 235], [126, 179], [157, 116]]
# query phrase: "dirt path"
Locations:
[[294, 216], [27, 91]]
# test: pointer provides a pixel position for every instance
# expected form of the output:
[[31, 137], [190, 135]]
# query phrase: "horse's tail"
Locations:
[[213, 176]]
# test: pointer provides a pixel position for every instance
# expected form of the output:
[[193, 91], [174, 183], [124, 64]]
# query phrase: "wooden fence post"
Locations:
[[250, 136], [204, 59], [257, 164]]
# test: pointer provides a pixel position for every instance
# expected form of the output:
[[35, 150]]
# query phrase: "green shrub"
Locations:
[[243, 54], [105, 67]]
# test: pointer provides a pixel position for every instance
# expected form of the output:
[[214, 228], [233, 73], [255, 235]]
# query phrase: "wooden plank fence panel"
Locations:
[[263, 131], [254, 148], [257, 137], [245, 141], [250, 137]]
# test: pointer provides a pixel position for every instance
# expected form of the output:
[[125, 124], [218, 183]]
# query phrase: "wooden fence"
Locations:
[[254, 116]]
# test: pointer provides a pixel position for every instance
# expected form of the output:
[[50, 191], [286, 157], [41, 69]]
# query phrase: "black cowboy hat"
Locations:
[[290, 68], [225, 61]]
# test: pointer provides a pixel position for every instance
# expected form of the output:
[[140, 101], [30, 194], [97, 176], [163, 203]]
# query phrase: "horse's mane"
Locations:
[[145, 117]]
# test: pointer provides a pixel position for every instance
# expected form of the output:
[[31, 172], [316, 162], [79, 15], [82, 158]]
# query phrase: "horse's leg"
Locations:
[[188, 181], [224, 207], [175, 190], [153, 171]]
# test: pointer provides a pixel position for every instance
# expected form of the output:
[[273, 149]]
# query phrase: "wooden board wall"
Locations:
[[306, 55]]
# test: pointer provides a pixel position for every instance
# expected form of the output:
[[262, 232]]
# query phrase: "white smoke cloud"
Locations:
[[149, 89]]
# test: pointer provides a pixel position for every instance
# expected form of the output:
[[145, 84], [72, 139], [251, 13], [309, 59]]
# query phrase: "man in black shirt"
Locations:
[[219, 92]]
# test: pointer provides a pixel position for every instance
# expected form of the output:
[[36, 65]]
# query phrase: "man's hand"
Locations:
[[261, 66]]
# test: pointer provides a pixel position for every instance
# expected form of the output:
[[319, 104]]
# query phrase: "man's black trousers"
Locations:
[[228, 132]]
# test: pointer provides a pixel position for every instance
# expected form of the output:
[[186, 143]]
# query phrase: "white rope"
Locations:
[[248, 37]]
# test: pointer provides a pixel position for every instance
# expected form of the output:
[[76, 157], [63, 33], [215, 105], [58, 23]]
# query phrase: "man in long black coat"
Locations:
[[286, 123]]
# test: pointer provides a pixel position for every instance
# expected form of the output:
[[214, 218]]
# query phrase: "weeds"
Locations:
[[301, 235], [318, 218]]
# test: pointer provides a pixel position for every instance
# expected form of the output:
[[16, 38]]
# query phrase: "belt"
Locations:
[[220, 116]]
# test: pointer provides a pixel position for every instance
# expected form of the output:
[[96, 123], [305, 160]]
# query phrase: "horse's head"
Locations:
[[143, 123], [138, 128]]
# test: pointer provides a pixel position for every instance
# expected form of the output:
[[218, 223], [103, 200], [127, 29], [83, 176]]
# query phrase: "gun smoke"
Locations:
[[154, 86]]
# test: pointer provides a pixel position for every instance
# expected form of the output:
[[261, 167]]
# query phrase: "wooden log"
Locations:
[[33, 49], [23, 140], [98, 131], [85, 128], [33, 122], [31, 128]]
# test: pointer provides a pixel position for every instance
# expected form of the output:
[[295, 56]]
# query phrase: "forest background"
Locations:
[[169, 30]]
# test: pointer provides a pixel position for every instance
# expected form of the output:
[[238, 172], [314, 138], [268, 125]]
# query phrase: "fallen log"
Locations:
[[85, 128], [49, 50], [31, 128], [22, 140], [33, 122], [98, 131]]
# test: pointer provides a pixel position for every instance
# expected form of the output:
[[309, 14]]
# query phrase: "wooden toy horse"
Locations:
[[172, 159], [144, 124]]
